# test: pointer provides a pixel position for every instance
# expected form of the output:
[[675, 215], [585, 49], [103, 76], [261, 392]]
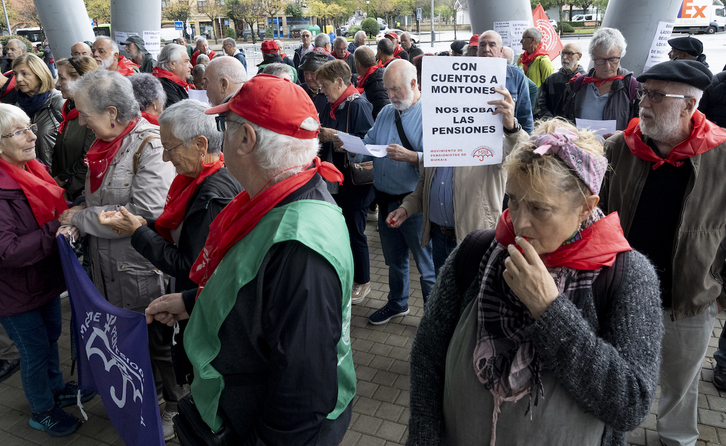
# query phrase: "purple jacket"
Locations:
[[30, 269]]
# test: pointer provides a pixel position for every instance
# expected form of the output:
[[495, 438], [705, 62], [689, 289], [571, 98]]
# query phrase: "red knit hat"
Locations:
[[270, 46], [265, 100], [474, 41]]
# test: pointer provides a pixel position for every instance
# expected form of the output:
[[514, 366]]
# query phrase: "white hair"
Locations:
[[187, 120], [535, 34], [405, 33], [200, 39], [276, 153], [230, 41], [171, 52], [278, 69], [114, 45], [688, 90], [229, 67], [408, 70], [202, 59], [360, 36], [10, 116], [605, 39], [322, 40], [340, 39], [496, 34], [19, 42], [103, 89]]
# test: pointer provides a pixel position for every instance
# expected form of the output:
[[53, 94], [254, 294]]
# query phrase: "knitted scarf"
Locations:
[[31, 104]]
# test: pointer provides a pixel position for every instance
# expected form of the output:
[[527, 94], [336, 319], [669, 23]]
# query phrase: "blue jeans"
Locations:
[[442, 245], [36, 334], [396, 243]]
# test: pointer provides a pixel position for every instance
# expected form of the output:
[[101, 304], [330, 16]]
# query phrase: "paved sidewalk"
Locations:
[[381, 354]]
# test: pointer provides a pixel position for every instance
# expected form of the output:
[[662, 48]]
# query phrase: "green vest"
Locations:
[[316, 224]]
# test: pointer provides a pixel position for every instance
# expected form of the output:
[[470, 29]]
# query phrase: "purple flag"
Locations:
[[112, 348]]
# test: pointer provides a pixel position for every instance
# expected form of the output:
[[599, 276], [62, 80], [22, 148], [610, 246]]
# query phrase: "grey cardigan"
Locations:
[[611, 372]]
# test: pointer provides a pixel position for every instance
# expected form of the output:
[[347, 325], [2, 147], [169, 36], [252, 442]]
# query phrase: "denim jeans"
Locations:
[[36, 334], [441, 245], [396, 243]]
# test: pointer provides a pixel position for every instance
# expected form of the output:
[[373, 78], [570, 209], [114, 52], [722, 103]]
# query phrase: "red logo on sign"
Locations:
[[482, 152]]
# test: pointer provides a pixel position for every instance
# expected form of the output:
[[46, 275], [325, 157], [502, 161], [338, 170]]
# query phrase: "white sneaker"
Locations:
[[168, 425], [360, 291]]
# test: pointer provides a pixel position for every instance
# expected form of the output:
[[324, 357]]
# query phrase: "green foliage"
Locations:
[[178, 12], [295, 10], [268, 33], [353, 29], [100, 10], [28, 45], [565, 27], [229, 32], [370, 26]]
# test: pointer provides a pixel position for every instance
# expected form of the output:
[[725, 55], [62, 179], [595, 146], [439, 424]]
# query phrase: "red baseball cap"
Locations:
[[269, 47], [392, 35], [474, 41], [268, 100]]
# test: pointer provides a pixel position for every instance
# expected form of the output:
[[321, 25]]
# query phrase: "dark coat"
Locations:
[[319, 99], [622, 105], [8, 95], [552, 93], [713, 102], [413, 52], [48, 118], [352, 47], [350, 60], [70, 149], [215, 192], [241, 57], [30, 270], [174, 92], [375, 92]]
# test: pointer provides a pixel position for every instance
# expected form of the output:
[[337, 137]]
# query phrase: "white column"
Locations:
[[65, 23]]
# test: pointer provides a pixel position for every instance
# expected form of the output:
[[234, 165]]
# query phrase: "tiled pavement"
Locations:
[[380, 411]]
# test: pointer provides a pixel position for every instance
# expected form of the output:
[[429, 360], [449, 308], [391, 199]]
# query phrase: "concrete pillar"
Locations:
[[483, 13], [638, 21], [135, 16], [65, 23]]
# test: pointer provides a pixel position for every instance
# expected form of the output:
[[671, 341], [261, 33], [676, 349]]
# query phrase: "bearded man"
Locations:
[[552, 91]]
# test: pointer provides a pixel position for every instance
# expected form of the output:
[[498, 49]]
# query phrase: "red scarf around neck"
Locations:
[[181, 191], [527, 58], [362, 79], [347, 92], [67, 116], [320, 49], [125, 66], [243, 213], [101, 153], [397, 51], [153, 119], [704, 137], [347, 53], [166, 74], [44, 196], [596, 81], [598, 247]]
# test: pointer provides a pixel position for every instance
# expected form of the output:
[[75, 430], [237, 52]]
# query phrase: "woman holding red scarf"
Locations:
[[552, 333], [74, 140], [30, 273], [608, 91], [347, 111]]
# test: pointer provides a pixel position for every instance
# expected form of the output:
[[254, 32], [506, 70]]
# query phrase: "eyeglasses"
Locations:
[[657, 98], [169, 150], [610, 60], [568, 53], [18, 133], [222, 123]]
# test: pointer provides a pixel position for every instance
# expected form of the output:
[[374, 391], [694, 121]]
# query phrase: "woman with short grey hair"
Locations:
[[150, 95], [125, 169], [173, 68], [608, 91]]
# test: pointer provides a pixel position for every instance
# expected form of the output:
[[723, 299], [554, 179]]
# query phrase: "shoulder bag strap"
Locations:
[[469, 256], [402, 133], [137, 155]]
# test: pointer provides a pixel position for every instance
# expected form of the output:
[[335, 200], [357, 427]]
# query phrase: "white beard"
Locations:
[[403, 104], [664, 127], [107, 62]]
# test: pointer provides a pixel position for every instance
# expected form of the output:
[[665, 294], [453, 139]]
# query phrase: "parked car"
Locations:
[[587, 18], [343, 30], [383, 33], [246, 34]]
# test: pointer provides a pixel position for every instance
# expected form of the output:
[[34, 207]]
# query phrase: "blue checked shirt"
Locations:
[[441, 200]]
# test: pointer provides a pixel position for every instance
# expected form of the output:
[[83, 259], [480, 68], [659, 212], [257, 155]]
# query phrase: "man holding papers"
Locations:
[[399, 127]]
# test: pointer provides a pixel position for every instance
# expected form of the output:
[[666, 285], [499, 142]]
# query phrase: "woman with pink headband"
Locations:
[[547, 330]]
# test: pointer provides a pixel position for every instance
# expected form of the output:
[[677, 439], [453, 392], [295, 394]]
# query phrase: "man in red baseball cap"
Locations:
[[398, 51], [473, 46], [271, 54], [269, 331]]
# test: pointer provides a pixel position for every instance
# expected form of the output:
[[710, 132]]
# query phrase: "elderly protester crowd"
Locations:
[[561, 286]]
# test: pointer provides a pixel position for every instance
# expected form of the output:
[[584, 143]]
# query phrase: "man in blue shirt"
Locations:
[[490, 45], [395, 176]]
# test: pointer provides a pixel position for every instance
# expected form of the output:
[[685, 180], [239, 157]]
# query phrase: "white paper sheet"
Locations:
[[601, 128], [354, 144], [659, 48], [199, 95]]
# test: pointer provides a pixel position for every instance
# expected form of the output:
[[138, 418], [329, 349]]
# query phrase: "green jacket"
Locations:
[[539, 70]]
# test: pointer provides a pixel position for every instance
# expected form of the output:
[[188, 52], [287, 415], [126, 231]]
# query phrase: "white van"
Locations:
[[587, 18], [706, 16]]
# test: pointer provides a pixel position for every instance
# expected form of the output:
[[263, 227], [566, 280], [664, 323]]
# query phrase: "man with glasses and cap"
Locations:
[[310, 65], [666, 182]]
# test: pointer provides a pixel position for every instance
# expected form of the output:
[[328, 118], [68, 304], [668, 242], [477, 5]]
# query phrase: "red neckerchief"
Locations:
[[101, 153], [44, 196], [180, 192], [11, 82], [243, 213], [596, 81], [383, 65], [347, 53], [704, 137], [527, 58], [347, 92], [67, 116], [166, 74], [196, 53], [320, 49], [600, 243], [125, 67], [362, 79], [153, 119], [397, 51]]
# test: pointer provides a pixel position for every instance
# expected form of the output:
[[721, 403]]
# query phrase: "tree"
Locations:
[[99, 10], [179, 11], [244, 12], [295, 10], [12, 17], [547, 4], [26, 12], [213, 10], [370, 26]]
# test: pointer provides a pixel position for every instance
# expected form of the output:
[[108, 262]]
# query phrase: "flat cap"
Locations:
[[688, 44], [688, 72], [314, 60], [457, 46]]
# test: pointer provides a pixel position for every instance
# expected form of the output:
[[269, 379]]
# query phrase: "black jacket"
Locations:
[[8, 95], [552, 93], [375, 91], [413, 52], [215, 192], [69, 152], [713, 102], [174, 92]]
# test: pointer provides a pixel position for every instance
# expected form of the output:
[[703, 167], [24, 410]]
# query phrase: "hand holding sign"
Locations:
[[504, 107]]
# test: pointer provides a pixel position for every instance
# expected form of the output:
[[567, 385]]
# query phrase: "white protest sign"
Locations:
[[659, 48], [199, 95], [503, 29], [121, 36], [459, 128], [511, 32], [152, 41]]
